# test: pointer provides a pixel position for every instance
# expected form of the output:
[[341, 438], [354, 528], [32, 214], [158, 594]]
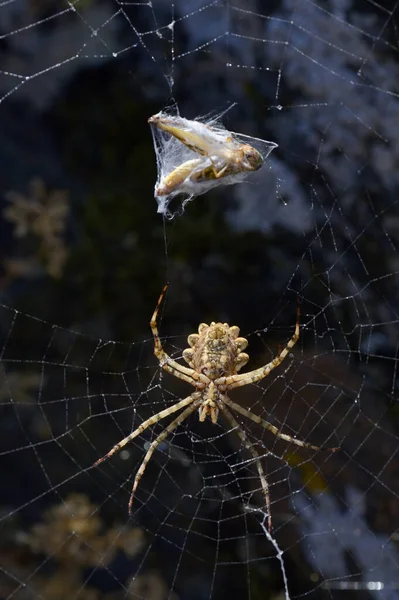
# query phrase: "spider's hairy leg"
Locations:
[[243, 436], [266, 425], [151, 421], [168, 363], [153, 446], [234, 381]]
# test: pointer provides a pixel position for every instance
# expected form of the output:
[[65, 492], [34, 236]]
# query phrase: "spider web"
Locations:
[[85, 255]]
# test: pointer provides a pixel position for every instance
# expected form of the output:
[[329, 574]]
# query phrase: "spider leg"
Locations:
[[151, 421], [153, 446], [236, 380], [266, 425], [167, 363], [243, 436]]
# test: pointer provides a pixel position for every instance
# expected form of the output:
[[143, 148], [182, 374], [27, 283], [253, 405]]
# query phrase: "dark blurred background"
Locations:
[[84, 256]]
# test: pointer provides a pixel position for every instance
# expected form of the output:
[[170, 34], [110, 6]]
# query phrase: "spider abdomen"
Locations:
[[216, 350]]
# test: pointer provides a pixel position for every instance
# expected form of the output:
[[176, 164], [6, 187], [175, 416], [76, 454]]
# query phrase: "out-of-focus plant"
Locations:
[[72, 538], [151, 586], [39, 220], [74, 533]]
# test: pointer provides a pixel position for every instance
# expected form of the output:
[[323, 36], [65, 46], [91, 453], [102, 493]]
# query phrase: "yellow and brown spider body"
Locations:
[[215, 350], [215, 356]]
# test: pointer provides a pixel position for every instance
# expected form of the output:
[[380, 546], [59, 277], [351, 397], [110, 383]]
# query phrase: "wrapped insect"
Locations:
[[195, 156]]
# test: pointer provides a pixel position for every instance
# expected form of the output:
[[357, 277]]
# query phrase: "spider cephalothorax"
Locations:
[[215, 356]]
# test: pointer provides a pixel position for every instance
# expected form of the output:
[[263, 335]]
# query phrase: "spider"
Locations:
[[215, 356]]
